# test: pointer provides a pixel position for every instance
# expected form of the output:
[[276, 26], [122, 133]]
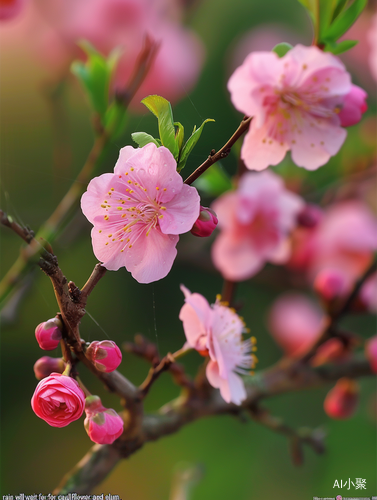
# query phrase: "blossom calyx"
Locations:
[[44, 366], [342, 400], [206, 222], [103, 425], [58, 400], [105, 355], [49, 334]]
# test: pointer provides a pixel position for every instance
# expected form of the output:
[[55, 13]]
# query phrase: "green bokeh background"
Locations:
[[240, 460]]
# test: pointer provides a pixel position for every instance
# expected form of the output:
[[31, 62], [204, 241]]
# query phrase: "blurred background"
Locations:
[[46, 135]]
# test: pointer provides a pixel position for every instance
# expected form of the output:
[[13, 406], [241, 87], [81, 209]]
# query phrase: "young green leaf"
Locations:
[[345, 20], [95, 75], [142, 138], [282, 48], [339, 48], [179, 135], [338, 9], [161, 108], [190, 144]]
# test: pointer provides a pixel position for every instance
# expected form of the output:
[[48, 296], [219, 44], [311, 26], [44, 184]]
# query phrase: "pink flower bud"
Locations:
[[330, 284], [105, 355], [103, 425], [341, 401], [206, 222], [49, 334], [371, 352], [44, 366], [58, 400], [309, 216], [354, 106]]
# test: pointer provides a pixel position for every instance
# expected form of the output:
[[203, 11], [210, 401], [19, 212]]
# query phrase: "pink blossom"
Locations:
[[217, 331], [49, 334], [255, 221], [295, 323], [58, 400], [295, 101], [205, 224], [139, 211], [105, 355], [371, 352], [103, 425], [342, 243], [342, 400], [44, 366], [10, 9]]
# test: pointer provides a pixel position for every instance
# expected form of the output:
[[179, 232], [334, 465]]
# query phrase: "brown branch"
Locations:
[[334, 316], [154, 373], [276, 380], [98, 272], [222, 153]]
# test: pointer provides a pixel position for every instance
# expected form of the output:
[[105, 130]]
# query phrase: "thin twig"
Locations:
[[98, 272], [222, 153]]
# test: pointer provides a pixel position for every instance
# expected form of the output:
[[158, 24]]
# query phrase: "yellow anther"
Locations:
[[129, 182], [126, 173], [121, 240], [160, 216], [103, 206], [157, 188], [253, 340], [100, 231], [130, 246], [111, 189], [162, 208], [113, 239], [132, 169], [106, 243], [110, 235], [304, 66], [120, 208], [122, 251], [218, 297], [106, 217], [254, 348]]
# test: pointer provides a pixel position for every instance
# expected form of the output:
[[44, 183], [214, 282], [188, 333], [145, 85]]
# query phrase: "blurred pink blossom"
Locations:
[[139, 211], [295, 101], [354, 106], [217, 331], [103, 425], [10, 9], [255, 221], [343, 242], [57, 25], [295, 323], [368, 294]]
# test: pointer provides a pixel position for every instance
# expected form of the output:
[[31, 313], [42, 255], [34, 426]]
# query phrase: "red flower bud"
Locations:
[[49, 334], [310, 216], [103, 425], [371, 352], [330, 284], [206, 222], [105, 355], [44, 366], [341, 401]]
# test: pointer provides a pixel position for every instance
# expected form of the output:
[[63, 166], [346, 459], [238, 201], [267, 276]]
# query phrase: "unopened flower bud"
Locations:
[[330, 284], [103, 425], [341, 401], [310, 216], [105, 355], [49, 334], [371, 352], [206, 222], [44, 366], [354, 106]]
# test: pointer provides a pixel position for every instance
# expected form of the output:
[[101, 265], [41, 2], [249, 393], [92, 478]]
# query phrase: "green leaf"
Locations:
[[180, 134], [190, 144], [161, 108], [338, 9], [142, 138], [339, 48], [215, 181], [282, 48], [95, 75], [345, 20], [326, 9]]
